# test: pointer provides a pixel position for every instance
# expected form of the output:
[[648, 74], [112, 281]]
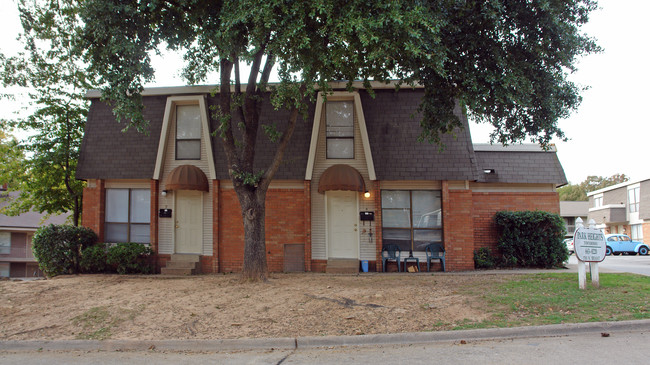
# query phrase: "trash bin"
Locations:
[[364, 265]]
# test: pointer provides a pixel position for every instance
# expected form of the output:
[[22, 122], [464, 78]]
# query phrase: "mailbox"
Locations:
[[165, 213], [366, 216]]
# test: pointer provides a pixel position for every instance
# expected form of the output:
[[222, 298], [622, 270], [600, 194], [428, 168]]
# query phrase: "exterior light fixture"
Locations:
[[164, 193], [366, 194]]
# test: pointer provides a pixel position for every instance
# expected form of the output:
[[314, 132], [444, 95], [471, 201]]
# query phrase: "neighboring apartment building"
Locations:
[[16, 258], [572, 210], [354, 178], [623, 208]]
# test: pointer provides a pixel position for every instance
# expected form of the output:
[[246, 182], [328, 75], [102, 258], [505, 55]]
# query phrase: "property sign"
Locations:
[[589, 244]]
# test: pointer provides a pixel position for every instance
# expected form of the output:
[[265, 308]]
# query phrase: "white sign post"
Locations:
[[589, 246]]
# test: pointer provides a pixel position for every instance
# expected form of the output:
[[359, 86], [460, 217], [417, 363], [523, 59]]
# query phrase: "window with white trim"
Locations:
[[598, 201], [340, 129], [188, 132], [5, 243], [636, 232], [127, 215], [633, 199], [411, 219]]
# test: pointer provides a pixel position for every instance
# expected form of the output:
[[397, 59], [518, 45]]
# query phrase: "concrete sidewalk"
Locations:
[[326, 341]]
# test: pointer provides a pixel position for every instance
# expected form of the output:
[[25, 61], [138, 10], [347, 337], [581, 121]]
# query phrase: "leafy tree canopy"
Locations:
[[578, 192], [50, 68], [505, 61]]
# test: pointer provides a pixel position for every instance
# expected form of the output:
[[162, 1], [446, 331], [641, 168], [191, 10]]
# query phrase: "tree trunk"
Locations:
[[253, 204]]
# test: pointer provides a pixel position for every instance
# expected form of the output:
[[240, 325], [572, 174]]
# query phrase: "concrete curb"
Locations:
[[327, 341]]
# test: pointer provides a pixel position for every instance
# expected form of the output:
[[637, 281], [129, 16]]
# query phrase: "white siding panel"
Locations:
[[318, 219], [166, 225]]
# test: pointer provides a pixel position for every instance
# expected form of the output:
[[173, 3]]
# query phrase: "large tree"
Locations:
[[51, 70], [506, 62], [578, 192]]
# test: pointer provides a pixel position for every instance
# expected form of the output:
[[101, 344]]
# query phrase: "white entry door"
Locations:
[[189, 221], [342, 225]]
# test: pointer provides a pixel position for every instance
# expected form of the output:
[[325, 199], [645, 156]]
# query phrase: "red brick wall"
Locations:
[[93, 208], [485, 205], [285, 223], [458, 229]]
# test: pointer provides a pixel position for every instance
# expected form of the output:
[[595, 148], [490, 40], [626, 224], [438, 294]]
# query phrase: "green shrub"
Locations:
[[130, 258], [483, 259], [93, 259], [57, 248], [531, 239]]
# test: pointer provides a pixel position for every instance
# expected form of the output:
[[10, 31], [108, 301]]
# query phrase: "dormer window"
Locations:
[[340, 129], [188, 132]]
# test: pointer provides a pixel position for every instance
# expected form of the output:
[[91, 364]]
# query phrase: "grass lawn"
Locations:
[[555, 298]]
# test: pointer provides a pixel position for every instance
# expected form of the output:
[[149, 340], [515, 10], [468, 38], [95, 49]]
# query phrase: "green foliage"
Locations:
[[51, 73], [58, 248], [93, 259], [573, 192], [506, 62], [531, 238], [130, 258], [483, 258]]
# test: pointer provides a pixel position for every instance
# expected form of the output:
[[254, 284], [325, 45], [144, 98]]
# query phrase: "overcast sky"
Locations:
[[607, 134]]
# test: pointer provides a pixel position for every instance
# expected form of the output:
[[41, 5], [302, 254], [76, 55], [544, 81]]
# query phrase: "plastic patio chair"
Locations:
[[435, 251], [393, 253]]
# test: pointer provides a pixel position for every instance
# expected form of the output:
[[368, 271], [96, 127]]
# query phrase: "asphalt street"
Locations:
[[597, 343], [623, 263], [619, 346]]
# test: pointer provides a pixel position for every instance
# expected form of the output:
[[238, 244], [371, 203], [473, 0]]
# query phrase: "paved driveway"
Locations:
[[623, 263]]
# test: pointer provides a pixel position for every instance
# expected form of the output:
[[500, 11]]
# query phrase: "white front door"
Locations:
[[189, 221], [342, 225]]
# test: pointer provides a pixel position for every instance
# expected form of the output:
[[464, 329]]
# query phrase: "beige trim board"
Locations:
[[170, 113], [358, 108], [207, 89], [123, 184]]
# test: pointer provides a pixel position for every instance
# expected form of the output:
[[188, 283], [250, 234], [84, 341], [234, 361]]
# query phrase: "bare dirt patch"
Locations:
[[220, 307]]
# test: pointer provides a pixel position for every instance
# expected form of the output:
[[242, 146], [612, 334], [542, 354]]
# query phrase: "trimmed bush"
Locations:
[[483, 259], [93, 259], [531, 239], [130, 258], [57, 248]]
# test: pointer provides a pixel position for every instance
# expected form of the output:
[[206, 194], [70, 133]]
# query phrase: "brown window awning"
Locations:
[[341, 177], [187, 177]]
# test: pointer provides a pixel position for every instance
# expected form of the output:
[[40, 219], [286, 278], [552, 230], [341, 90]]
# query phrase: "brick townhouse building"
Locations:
[[623, 208], [354, 178]]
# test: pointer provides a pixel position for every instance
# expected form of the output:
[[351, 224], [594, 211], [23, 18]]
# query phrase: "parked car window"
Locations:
[[613, 238], [624, 238]]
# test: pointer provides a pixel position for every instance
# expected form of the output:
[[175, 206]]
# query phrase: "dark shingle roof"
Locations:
[[393, 128], [519, 164], [108, 153], [293, 164]]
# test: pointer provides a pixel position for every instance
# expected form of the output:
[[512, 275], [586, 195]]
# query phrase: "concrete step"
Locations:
[[185, 257], [342, 266], [171, 271], [182, 265]]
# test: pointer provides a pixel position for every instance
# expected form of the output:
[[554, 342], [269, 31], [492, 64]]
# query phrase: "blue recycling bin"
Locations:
[[364, 265]]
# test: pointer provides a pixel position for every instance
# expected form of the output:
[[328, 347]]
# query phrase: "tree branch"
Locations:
[[282, 146], [228, 139]]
